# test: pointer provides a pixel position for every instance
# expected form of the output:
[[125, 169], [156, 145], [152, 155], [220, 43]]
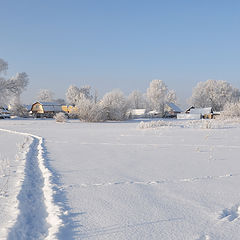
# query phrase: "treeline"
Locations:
[[114, 105]]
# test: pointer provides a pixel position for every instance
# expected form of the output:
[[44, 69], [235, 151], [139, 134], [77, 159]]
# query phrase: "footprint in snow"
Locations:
[[231, 214]]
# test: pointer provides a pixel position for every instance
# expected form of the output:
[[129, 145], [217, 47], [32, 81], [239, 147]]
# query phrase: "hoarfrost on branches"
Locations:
[[89, 111], [11, 88], [74, 94], [215, 94], [136, 100], [45, 95], [231, 110], [158, 95], [19, 110], [114, 105]]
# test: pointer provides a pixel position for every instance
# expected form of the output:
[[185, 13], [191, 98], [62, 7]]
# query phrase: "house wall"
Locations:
[[37, 108], [72, 109], [65, 109]]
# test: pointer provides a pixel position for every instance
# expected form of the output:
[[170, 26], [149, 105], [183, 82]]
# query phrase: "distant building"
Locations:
[[136, 113], [45, 109], [69, 109], [171, 110], [193, 113], [189, 109], [204, 112]]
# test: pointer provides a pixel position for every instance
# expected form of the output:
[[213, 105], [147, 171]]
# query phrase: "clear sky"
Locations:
[[123, 44]]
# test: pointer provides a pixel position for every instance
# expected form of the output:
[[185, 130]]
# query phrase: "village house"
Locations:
[[171, 110], [69, 109], [193, 113], [206, 113], [45, 109], [136, 113]]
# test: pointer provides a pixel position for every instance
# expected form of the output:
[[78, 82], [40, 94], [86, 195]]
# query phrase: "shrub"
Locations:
[[231, 110], [60, 117], [153, 124]]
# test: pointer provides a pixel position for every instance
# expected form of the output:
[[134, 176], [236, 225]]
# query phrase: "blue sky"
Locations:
[[123, 44]]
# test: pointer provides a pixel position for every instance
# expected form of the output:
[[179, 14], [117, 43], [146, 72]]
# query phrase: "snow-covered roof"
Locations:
[[174, 107], [201, 111], [50, 106], [188, 110]]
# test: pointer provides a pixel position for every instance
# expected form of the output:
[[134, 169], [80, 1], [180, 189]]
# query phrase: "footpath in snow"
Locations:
[[34, 215]]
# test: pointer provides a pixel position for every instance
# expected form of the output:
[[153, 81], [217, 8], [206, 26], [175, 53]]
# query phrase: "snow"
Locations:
[[174, 107], [114, 180], [189, 116], [11, 175]]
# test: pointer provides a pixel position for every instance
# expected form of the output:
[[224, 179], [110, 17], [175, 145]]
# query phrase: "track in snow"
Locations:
[[39, 216], [31, 219], [162, 181]]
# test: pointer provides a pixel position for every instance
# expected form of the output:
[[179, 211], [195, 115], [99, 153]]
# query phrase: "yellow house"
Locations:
[[69, 109], [65, 109], [45, 109]]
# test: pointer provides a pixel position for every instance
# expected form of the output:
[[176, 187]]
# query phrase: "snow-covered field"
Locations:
[[119, 180]]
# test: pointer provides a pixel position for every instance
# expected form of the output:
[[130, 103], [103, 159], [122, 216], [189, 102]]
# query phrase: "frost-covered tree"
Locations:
[[215, 94], [88, 110], [11, 88], [136, 100], [158, 94], [114, 105], [85, 91], [231, 110], [74, 94], [19, 110], [45, 95], [171, 96]]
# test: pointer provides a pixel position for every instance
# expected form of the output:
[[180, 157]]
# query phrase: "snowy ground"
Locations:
[[117, 181]]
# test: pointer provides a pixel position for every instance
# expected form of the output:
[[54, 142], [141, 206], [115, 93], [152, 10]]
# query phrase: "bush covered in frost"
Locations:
[[61, 117], [89, 111], [231, 110], [114, 106], [153, 124], [19, 110]]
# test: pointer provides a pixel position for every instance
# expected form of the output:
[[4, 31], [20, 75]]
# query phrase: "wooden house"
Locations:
[[206, 113], [136, 113], [193, 113], [171, 110], [45, 109], [189, 109], [69, 109]]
